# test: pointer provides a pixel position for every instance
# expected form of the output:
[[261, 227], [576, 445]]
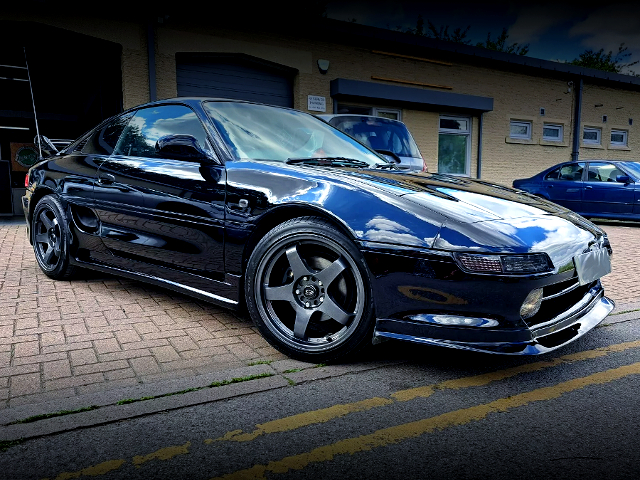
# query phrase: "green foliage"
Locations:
[[6, 444], [241, 379], [500, 44], [459, 35], [260, 362], [440, 33], [607, 62], [44, 416]]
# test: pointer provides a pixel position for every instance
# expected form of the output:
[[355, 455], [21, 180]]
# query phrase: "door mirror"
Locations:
[[180, 147], [623, 179]]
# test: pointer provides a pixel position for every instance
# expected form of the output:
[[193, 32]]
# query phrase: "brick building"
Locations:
[[472, 111]]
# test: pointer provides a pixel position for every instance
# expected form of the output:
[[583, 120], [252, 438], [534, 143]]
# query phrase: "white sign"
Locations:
[[316, 104]]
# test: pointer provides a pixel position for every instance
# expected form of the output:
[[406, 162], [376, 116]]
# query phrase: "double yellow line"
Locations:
[[397, 433]]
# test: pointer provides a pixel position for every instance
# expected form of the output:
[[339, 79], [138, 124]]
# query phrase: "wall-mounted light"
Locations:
[[323, 66], [542, 112], [604, 119]]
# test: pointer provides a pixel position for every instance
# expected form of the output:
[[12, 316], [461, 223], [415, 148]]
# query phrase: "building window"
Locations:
[[388, 113], [591, 136], [619, 138], [552, 132], [454, 145], [392, 113], [520, 129]]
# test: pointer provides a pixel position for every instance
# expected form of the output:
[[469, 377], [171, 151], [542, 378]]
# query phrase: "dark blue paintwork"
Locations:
[[616, 197], [192, 225]]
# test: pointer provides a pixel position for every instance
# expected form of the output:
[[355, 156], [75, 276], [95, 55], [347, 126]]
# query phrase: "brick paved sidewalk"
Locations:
[[61, 339], [64, 338]]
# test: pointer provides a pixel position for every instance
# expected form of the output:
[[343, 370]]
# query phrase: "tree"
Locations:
[[500, 44], [459, 35], [440, 33], [607, 62]]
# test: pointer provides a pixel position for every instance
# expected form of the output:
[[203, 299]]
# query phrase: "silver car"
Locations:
[[388, 137]]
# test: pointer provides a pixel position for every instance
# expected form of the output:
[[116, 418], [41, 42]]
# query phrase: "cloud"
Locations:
[[534, 21], [370, 13], [608, 27]]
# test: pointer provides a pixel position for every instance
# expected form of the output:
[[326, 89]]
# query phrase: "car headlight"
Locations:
[[505, 264]]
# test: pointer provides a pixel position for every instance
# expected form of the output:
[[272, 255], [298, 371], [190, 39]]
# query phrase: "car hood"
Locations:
[[484, 217], [462, 200]]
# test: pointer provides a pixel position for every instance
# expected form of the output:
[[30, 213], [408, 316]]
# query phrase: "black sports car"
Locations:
[[327, 244]]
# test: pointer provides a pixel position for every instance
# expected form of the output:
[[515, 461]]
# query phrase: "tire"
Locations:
[[51, 238], [308, 291]]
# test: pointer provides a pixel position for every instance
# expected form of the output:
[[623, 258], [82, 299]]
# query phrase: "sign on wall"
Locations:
[[316, 103], [23, 156]]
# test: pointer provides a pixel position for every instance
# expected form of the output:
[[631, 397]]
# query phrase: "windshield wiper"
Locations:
[[330, 161]]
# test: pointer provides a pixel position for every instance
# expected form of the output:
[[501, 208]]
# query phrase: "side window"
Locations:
[[603, 172], [570, 173], [149, 124], [103, 140]]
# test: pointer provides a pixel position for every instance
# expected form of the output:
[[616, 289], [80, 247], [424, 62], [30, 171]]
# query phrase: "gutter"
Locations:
[[575, 154], [151, 54]]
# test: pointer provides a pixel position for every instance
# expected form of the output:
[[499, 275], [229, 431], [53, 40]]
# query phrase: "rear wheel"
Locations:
[[51, 238], [308, 291]]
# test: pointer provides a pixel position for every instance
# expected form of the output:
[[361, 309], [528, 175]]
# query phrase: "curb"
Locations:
[[109, 411]]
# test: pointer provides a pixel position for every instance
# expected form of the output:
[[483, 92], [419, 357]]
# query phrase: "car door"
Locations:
[[564, 185], [79, 165], [603, 194], [169, 216]]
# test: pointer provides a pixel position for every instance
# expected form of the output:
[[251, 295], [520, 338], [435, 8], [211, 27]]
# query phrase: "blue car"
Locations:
[[592, 188]]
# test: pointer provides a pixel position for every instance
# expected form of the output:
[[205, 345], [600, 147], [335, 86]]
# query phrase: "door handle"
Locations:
[[106, 178], [588, 187]]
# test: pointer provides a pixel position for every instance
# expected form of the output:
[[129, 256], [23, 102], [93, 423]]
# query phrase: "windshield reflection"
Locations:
[[260, 132]]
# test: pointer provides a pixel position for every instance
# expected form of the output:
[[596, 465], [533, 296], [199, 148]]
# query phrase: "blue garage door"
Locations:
[[237, 77]]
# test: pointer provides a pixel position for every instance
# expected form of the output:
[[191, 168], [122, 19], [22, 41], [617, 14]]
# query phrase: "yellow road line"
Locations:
[[93, 471], [326, 414], [162, 454], [397, 434]]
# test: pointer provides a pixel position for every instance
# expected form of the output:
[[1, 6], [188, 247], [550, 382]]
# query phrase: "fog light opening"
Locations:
[[531, 304]]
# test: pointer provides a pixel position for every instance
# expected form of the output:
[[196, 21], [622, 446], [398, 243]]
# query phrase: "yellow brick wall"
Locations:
[[515, 95]]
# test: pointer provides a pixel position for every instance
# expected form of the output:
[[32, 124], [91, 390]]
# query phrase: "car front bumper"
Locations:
[[541, 338]]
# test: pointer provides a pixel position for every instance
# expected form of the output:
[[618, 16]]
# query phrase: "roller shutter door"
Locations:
[[238, 78]]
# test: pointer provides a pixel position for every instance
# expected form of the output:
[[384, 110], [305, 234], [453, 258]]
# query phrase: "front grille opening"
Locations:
[[560, 337]]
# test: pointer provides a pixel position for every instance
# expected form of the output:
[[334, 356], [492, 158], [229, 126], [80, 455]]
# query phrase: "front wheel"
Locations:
[[308, 291], [51, 238]]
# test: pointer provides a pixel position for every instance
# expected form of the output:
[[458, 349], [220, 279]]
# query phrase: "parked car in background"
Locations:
[[328, 245], [592, 188], [384, 135]]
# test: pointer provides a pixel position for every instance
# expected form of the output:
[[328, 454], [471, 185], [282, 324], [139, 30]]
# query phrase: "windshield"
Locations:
[[379, 134], [261, 132], [634, 168]]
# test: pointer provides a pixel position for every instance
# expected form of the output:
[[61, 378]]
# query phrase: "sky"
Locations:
[[555, 30]]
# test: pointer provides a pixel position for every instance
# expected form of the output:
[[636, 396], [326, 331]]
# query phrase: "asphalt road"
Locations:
[[439, 414]]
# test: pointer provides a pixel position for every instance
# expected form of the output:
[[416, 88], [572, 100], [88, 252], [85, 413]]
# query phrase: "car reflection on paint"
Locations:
[[326, 244], [593, 188]]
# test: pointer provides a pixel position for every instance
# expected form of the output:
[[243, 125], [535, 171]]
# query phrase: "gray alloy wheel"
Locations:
[[51, 238], [308, 291]]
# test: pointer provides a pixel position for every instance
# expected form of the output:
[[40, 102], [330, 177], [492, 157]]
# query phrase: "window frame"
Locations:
[[467, 133], [598, 131], [559, 127], [625, 134], [526, 123]]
